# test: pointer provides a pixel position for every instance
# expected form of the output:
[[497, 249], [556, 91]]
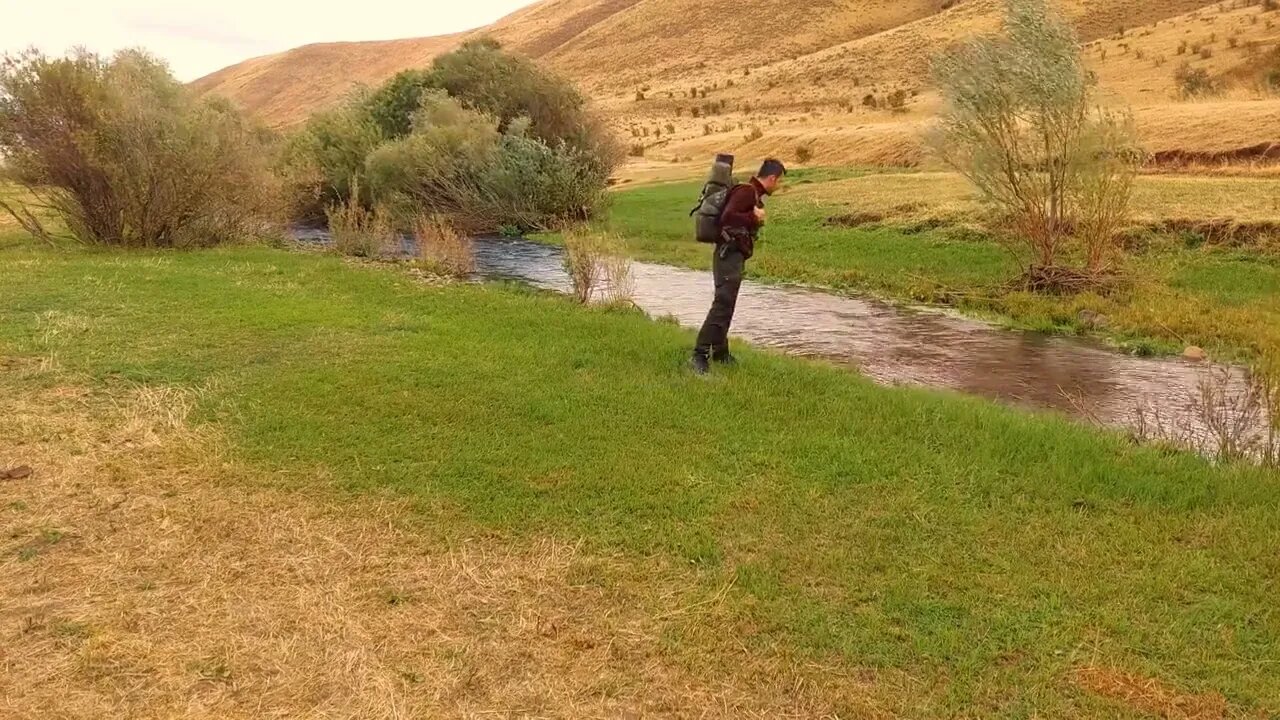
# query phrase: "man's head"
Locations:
[[771, 174]]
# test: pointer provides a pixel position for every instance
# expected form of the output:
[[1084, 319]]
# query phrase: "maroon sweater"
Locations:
[[739, 218]]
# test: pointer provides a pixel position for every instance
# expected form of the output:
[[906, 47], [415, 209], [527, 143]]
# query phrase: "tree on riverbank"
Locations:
[[121, 153], [483, 136], [1021, 125]]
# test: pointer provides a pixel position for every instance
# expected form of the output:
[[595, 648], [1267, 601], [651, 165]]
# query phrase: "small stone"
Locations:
[[18, 473], [1195, 354]]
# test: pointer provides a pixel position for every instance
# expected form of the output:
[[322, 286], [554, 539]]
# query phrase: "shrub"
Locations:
[[598, 267], [755, 134], [1019, 125], [122, 154], [1193, 81], [441, 248], [491, 140], [358, 231], [391, 107], [456, 163], [804, 153], [636, 150], [324, 161]]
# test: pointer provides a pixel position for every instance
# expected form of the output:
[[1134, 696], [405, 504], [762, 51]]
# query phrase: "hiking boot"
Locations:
[[700, 363], [724, 357]]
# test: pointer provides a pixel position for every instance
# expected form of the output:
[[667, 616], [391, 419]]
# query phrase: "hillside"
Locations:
[[680, 78]]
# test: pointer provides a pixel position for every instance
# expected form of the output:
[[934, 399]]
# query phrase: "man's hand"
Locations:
[[760, 215]]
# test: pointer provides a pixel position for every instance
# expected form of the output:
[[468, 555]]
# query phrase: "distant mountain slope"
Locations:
[[683, 76]]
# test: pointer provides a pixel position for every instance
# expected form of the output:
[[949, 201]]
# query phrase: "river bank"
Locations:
[[910, 237], [955, 556]]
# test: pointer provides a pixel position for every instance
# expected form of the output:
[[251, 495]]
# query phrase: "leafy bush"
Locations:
[[483, 137], [391, 107], [122, 154], [322, 163], [456, 163]]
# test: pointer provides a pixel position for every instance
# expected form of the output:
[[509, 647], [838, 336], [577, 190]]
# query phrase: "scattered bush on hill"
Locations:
[[122, 154], [1193, 82]]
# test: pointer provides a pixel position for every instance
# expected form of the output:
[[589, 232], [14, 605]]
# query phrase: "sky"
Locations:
[[200, 39]]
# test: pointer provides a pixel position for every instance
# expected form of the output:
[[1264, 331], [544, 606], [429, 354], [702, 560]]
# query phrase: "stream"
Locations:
[[897, 345]]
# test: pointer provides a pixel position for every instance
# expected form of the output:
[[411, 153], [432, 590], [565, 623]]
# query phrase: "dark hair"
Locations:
[[772, 168]]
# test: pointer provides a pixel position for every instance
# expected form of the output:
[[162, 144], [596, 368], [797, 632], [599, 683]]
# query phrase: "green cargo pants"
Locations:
[[727, 267]]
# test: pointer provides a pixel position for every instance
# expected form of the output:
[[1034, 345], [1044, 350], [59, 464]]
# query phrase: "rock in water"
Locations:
[[1195, 354]]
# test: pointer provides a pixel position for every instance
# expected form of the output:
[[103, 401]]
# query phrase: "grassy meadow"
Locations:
[[782, 538], [916, 237]]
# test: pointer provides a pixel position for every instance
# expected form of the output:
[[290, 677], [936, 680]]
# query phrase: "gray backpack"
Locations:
[[715, 193]]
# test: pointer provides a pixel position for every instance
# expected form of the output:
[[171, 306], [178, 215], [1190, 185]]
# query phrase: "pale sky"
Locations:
[[199, 39]]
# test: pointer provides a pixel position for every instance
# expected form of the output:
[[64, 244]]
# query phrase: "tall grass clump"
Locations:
[[121, 153], [359, 231], [598, 267], [1021, 125], [443, 250]]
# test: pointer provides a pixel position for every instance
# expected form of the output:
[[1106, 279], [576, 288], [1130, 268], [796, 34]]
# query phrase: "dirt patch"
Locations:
[[1266, 153], [1223, 232], [145, 574], [1148, 695], [855, 219]]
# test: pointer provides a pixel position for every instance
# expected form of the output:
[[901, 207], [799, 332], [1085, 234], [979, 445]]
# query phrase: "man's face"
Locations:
[[771, 183]]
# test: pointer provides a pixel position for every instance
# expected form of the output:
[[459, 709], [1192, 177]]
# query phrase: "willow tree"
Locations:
[[1021, 125]]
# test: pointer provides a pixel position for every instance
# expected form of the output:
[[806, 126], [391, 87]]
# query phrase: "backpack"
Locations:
[[715, 195]]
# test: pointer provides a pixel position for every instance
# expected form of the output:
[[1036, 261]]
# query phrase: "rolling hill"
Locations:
[[843, 78]]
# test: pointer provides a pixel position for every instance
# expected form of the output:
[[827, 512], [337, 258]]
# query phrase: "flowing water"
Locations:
[[911, 346]]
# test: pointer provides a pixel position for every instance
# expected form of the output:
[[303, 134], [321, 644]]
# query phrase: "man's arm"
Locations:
[[740, 210]]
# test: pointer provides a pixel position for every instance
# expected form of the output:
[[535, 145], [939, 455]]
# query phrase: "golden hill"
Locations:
[[680, 78]]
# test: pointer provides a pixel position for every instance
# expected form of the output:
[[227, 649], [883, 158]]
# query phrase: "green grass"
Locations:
[[1176, 295], [982, 551]]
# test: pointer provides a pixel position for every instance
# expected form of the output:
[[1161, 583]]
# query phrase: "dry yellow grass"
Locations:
[[145, 574], [947, 196], [806, 86]]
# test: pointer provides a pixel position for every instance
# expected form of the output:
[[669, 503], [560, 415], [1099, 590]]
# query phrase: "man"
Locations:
[[743, 217]]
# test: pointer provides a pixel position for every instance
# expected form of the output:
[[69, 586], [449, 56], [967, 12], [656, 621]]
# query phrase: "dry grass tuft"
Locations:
[[146, 574], [1150, 696], [598, 267], [442, 249], [358, 231]]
